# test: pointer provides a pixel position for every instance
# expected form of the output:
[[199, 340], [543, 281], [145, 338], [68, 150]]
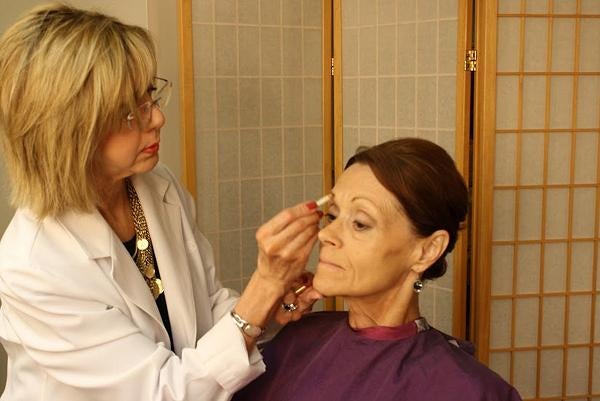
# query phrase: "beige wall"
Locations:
[[160, 17]]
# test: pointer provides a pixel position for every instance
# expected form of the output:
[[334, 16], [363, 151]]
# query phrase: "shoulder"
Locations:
[[174, 184], [322, 321], [450, 363], [164, 181], [297, 342], [301, 333], [163, 171], [19, 238], [166, 186], [29, 241], [40, 258]]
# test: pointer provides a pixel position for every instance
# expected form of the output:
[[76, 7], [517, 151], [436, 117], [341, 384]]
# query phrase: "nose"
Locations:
[[329, 234], [157, 119]]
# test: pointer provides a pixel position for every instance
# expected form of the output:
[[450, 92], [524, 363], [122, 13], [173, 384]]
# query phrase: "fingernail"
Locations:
[[311, 205]]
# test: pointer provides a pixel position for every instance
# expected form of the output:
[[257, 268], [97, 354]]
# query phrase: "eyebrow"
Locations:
[[363, 198], [359, 197]]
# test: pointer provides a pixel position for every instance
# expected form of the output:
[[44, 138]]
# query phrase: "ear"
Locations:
[[430, 249]]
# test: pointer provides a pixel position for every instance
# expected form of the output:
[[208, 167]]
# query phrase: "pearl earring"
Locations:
[[418, 286]]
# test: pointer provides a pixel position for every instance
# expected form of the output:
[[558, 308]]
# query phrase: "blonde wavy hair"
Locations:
[[68, 77]]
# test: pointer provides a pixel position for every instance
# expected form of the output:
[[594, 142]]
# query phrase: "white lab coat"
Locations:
[[79, 323]]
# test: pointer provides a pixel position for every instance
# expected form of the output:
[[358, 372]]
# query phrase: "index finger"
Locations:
[[286, 216]]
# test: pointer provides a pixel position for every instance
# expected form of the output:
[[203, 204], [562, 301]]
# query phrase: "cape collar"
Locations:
[[394, 333]]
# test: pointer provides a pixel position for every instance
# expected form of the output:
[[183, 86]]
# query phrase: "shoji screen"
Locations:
[[258, 77], [539, 201]]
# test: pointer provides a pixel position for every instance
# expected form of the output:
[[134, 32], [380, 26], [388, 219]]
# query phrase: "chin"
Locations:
[[148, 164], [324, 285]]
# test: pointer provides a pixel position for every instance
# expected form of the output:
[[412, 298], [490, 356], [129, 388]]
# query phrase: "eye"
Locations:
[[358, 226], [330, 217], [151, 89]]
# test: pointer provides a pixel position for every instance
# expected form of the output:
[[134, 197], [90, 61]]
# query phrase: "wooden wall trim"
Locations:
[[462, 158], [483, 175], [186, 94]]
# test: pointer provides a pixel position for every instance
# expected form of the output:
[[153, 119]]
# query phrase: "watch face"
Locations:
[[252, 331]]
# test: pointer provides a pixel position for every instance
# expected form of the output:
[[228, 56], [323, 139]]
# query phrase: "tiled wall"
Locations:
[[399, 66], [258, 111]]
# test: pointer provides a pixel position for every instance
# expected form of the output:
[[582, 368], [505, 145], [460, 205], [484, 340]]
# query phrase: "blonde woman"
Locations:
[[108, 289]]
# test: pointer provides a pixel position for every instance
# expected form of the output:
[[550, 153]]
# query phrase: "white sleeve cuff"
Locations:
[[224, 352]]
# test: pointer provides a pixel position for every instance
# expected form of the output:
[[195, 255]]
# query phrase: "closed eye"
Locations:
[[358, 226]]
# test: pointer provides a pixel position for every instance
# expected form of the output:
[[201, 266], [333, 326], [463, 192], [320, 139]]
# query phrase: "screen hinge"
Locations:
[[471, 60]]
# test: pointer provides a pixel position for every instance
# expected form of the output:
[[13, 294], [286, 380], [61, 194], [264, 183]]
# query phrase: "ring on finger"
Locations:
[[289, 307], [300, 289]]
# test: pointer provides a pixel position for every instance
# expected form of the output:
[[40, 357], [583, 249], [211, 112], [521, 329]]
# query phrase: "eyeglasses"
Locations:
[[159, 93]]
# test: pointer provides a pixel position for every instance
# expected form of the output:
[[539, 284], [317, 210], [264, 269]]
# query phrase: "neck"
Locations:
[[394, 307], [114, 207]]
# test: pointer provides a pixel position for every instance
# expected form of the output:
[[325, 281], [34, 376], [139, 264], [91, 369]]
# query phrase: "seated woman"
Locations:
[[394, 216]]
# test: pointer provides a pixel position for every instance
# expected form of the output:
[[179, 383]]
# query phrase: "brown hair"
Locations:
[[424, 179]]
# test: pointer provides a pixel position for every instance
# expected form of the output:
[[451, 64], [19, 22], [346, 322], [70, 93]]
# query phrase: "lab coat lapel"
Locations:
[[127, 275], [99, 241], [163, 215]]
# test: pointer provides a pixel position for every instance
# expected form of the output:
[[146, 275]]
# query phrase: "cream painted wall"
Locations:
[[160, 17]]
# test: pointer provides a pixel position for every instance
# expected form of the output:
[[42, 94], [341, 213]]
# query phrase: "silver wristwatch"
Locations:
[[247, 328]]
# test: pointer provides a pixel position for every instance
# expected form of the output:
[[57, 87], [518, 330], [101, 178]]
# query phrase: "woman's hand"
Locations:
[[285, 243], [301, 295]]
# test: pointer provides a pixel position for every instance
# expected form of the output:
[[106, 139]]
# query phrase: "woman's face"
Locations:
[[368, 246], [131, 150]]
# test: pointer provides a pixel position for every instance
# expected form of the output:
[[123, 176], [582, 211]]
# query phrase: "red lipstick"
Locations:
[[152, 149]]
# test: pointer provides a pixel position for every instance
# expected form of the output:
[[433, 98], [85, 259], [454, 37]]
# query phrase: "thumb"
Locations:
[[311, 295]]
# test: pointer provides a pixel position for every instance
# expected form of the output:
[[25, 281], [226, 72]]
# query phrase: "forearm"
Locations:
[[257, 301]]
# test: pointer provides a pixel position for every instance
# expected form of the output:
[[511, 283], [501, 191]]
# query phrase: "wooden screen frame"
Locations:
[[338, 111], [484, 155], [484, 125], [328, 95], [186, 95], [187, 100], [464, 82], [333, 121]]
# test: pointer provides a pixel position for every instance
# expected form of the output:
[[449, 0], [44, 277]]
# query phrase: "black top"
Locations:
[[161, 302]]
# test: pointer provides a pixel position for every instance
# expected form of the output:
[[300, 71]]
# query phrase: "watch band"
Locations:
[[247, 328]]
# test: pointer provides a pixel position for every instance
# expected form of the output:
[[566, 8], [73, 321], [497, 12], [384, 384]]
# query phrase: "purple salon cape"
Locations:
[[320, 358]]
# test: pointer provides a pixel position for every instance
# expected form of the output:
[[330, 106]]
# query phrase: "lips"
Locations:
[[151, 149], [331, 265]]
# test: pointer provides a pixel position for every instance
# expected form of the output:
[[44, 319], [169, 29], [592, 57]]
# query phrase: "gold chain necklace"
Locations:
[[144, 255]]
